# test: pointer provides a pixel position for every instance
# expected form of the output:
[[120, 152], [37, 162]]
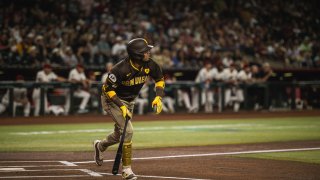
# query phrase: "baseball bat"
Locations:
[[117, 160]]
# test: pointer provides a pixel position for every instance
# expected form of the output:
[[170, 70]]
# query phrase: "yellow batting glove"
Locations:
[[125, 112], [157, 104]]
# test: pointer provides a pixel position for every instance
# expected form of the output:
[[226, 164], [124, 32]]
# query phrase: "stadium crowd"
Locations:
[[185, 33], [232, 41]]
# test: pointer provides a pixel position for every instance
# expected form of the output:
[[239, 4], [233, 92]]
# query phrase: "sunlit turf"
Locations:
[[78, 137]]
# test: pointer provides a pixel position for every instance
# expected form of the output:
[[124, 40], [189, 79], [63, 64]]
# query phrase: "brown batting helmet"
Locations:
[[137, 47]]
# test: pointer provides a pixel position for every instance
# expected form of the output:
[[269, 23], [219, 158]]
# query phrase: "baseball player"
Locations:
[[77, 75], [244, 76], [19, 99], [229, 76], [45, 75], [204, 77], [118, 94]]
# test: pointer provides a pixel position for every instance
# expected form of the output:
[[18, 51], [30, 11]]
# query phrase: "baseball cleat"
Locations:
[[98, 157], [127, 174]]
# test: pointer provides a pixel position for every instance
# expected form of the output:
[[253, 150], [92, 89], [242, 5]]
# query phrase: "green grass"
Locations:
[[78, 137], [305, 156]]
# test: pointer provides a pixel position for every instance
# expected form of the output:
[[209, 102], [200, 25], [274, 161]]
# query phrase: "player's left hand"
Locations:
[[157, 104]]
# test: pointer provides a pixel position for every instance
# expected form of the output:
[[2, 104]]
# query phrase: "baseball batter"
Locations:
[[123, 84]]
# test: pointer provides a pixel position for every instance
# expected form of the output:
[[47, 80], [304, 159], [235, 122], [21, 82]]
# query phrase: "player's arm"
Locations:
[[108, 90], [157, 75]]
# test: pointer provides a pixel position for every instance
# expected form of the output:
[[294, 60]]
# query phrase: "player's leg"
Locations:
[[15, 105], [227, 97], [239, 99], [36, 100], [85, 99], [209, 101], [195, 100], [170, 104], [127, 172], [114, 137], [26, 109], [67, 103]]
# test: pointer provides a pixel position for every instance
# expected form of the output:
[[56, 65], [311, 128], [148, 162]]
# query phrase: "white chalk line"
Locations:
[[211, 154], [67, 163], [167, 128], [11, 169], [64, 163], [25, 177], [28, 161], [32, 166], [87, 171], [91, 173]]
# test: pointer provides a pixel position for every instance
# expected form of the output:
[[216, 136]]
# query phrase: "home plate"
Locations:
[[11, 169]]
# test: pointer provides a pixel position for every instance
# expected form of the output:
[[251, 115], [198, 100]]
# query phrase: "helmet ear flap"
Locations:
[[135, 55]]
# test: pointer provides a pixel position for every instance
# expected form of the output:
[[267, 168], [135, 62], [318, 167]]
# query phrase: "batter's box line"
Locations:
[[64, 163], [87, 171]]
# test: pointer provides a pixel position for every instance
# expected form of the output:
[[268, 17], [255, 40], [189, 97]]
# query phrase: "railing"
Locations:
[[269, 90]]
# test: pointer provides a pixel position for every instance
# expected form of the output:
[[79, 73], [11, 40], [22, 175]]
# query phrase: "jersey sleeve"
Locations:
[[71, 75], [113, 80], [157, 75], [156, 72], [53, 76], [38, 77]]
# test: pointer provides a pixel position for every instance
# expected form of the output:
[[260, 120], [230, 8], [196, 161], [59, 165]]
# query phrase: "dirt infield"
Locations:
[[205, 162], [208, 162]]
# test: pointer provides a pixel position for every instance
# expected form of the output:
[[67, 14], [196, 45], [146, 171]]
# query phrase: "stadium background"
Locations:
[[187, 35]]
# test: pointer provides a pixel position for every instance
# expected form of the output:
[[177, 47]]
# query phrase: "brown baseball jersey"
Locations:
[[127, 80]]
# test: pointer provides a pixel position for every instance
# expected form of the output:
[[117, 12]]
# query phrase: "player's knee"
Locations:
[[128, 136], [116, 133]]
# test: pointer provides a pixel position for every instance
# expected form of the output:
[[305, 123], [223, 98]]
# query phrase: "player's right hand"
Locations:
[[125, 112]]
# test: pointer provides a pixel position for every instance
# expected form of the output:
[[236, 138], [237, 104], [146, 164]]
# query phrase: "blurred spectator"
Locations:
[[119, 48], [94, 91], [104, 50], [168, 99], [108, 68], [280, 31], [260, 75], [69, 58], [19, 99], [56, 59]]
